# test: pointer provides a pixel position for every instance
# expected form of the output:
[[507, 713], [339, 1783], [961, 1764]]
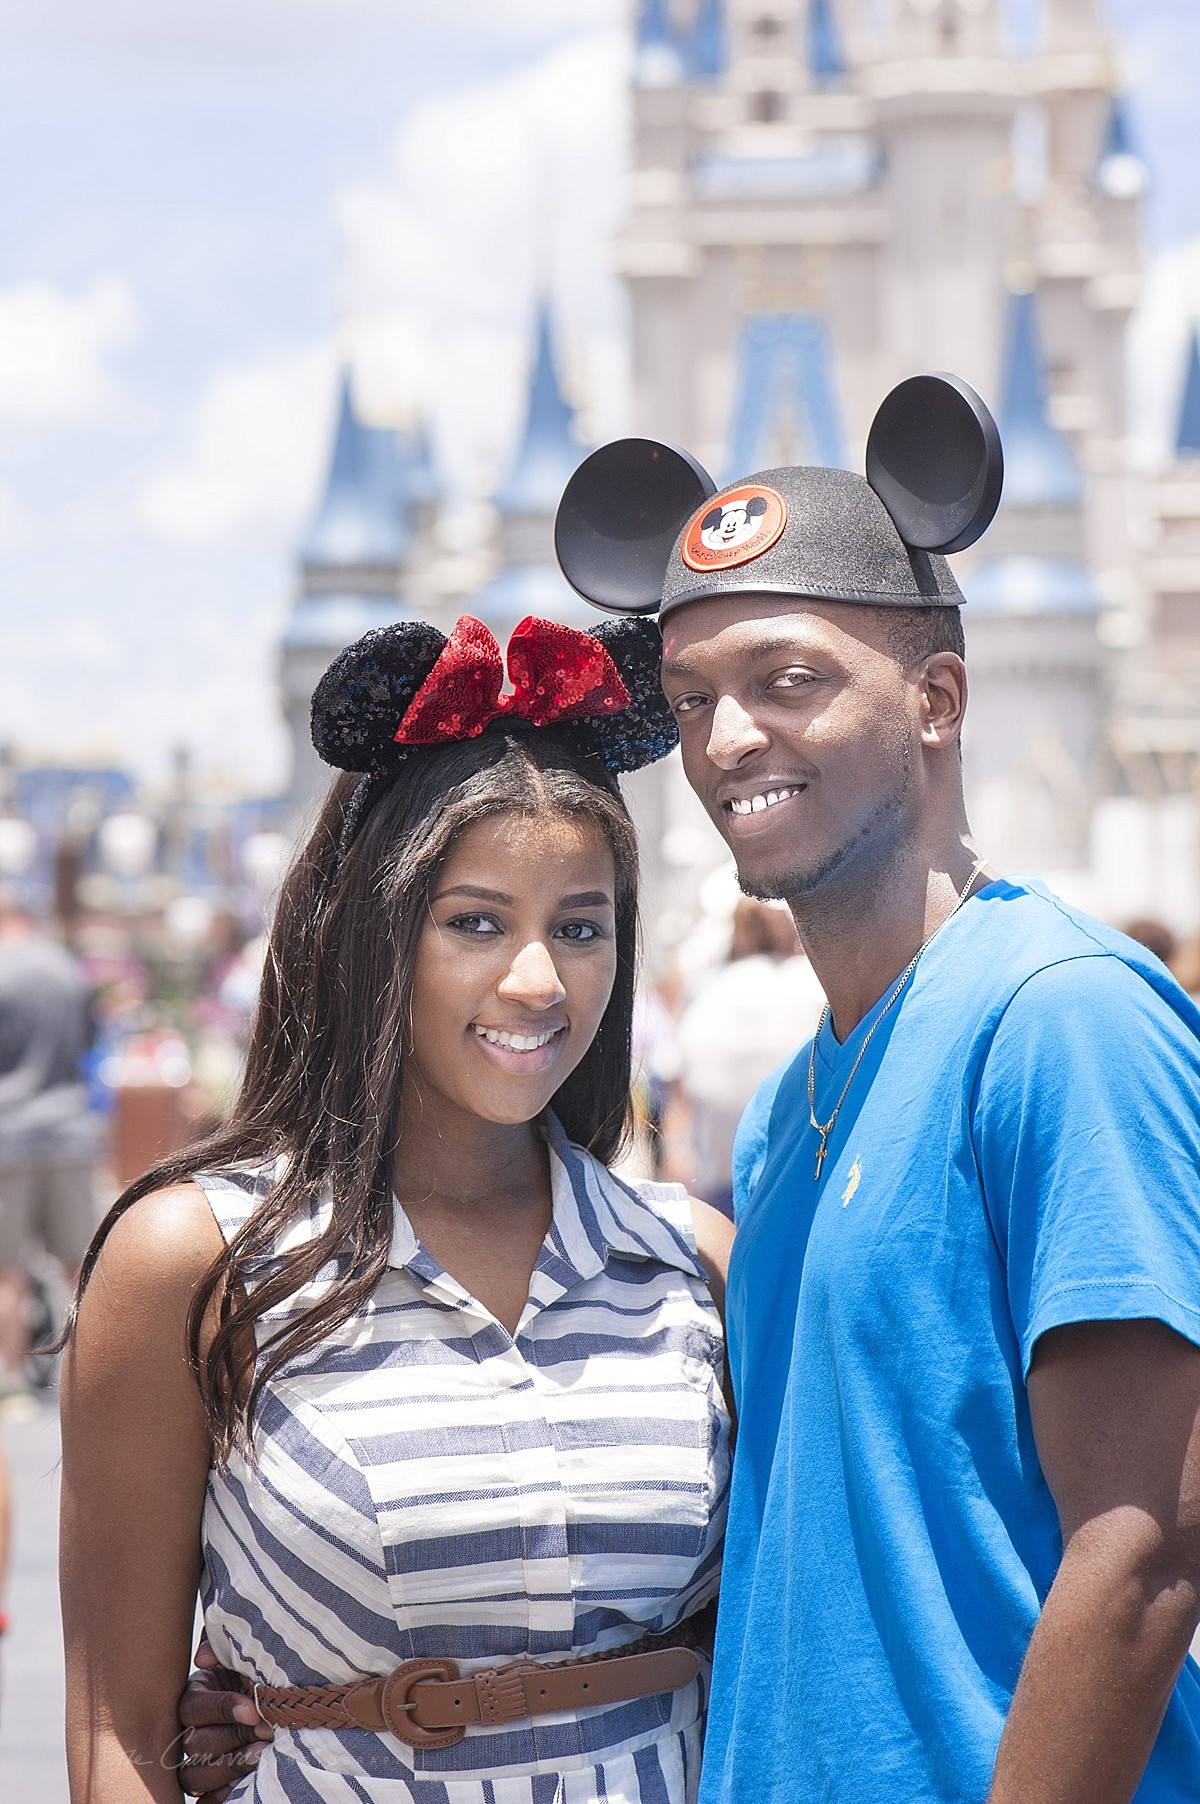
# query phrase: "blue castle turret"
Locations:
[[529, 580], [705, 52], [1187, 435], [1034, 562], [785, 405], [826, 61], [1036, 719], [376, 508], [659, 57]]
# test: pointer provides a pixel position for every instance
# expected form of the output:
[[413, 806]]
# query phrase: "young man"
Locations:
[[963, 1559]]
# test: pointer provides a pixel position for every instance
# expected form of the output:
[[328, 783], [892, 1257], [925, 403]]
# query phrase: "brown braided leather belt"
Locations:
[[429, 1703]]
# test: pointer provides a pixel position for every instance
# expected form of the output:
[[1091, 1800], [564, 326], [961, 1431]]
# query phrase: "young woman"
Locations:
[[393, 1368]]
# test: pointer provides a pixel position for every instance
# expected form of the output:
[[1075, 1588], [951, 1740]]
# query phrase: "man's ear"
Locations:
[[943, 681]]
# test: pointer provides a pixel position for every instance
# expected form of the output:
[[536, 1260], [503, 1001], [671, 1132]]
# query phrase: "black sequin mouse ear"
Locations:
[[935, 461], [646, 730], [619, 518], [360, 701]]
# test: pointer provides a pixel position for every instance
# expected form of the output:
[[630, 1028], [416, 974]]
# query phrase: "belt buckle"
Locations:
[[397, 1703]]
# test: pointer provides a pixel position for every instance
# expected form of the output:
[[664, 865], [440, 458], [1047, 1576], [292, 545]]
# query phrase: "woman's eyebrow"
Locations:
[[587, 898], [476, 894]]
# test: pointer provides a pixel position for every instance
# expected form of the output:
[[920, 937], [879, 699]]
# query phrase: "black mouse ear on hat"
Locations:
[[934, 459], [619, 518]]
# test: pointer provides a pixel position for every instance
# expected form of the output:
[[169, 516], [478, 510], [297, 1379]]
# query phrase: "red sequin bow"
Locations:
[[556, 673]]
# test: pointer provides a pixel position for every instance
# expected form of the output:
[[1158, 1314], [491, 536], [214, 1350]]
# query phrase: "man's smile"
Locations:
[[746, 812]]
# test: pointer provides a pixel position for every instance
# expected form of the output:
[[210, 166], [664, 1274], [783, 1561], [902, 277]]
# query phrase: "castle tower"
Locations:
[[946, 98], [1036, 721], [1162, 742], [528, 580], [369, 533]]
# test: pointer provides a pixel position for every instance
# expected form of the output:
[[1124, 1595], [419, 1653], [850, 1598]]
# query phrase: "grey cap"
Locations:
[[641, 527], [839, 543]]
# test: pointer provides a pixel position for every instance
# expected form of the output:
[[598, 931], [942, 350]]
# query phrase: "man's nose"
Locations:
[[733, 734], [532, 979]]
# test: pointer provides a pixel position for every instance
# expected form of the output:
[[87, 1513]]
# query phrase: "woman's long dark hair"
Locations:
[[326, 1059]]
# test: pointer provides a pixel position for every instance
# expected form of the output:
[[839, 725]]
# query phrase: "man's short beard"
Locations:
[[868, 854]]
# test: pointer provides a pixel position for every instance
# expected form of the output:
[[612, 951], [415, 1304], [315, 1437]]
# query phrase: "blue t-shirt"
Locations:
[[1019, 1149]]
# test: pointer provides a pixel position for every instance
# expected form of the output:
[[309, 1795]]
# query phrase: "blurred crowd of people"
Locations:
[[99, 1075]]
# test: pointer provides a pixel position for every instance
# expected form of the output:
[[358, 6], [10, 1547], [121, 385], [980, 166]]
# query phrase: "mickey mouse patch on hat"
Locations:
[[734, 527]]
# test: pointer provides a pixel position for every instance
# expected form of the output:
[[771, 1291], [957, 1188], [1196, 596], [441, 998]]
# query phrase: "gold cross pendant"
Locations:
[[820, 1156]]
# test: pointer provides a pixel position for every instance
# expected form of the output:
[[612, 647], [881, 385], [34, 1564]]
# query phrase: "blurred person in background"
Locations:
[[5, 1533], [747, 1017], [1155, 936], [49, 1136]]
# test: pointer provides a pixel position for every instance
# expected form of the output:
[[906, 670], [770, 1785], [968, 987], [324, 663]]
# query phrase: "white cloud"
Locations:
[[495, 192], [256, 441], [54, 349], [14, 526], [1158, 343]]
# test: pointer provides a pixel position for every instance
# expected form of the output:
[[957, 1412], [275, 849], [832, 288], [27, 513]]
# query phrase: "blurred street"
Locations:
[[32, 1766]]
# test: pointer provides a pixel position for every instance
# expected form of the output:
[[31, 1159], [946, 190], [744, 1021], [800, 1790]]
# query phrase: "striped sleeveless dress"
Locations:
[[426, 1484]]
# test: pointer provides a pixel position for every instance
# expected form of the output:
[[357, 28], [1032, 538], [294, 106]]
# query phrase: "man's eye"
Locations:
[[580, 933], [791, 679], [687, 704], [474, 924]]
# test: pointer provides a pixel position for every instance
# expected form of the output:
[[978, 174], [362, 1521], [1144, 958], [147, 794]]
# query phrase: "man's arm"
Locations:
[[1116, 1418]]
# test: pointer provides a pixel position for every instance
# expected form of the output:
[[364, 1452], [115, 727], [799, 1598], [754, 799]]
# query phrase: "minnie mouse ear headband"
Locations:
[[641, 528], [407, 685]]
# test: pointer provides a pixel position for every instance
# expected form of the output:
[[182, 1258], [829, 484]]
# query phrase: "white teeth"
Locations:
[[517, 1042], [766, 799]]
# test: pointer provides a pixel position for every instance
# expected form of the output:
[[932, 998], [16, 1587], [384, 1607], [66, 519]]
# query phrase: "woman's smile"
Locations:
[[521, 1050]]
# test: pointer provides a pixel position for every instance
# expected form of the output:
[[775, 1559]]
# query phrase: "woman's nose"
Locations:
[[532, 978]]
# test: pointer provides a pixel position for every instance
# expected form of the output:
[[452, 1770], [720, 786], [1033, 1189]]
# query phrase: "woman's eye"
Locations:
[[687, 704], [791, 679], [474, 924], [580, 933]]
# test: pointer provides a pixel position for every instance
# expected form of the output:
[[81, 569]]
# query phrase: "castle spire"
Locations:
[[528, 580], [1187, 438], [826, 60], [362, 518], [1039, 465], [1120, 172], [548, 452], [658, 60], [705, 53]]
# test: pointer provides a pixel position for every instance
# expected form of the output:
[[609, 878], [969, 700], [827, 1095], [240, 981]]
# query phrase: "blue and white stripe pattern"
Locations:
[[425, 1484]]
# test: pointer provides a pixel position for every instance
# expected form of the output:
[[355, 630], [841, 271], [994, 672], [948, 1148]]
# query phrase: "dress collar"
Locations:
[[595, 1215]]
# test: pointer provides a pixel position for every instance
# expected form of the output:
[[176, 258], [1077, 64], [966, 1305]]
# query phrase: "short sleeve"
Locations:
[[1086, 1126]]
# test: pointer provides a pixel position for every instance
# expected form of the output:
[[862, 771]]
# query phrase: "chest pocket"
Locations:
[[644, 1445]]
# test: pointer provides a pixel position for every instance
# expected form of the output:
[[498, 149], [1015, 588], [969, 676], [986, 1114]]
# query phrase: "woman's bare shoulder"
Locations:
[[162, 1244]]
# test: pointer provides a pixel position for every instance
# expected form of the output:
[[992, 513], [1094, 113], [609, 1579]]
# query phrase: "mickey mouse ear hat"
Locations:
[[641, 527]]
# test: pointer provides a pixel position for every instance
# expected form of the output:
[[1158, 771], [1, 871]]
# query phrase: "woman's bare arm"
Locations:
[[135, 1466], [714, 1239]]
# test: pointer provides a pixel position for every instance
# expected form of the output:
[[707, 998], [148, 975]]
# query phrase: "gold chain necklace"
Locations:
[[894, 997]]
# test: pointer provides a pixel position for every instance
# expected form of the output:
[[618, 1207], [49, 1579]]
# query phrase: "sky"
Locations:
[[207, 205]]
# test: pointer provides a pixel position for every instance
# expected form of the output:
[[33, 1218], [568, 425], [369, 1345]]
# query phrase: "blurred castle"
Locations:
[[821, 203]]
